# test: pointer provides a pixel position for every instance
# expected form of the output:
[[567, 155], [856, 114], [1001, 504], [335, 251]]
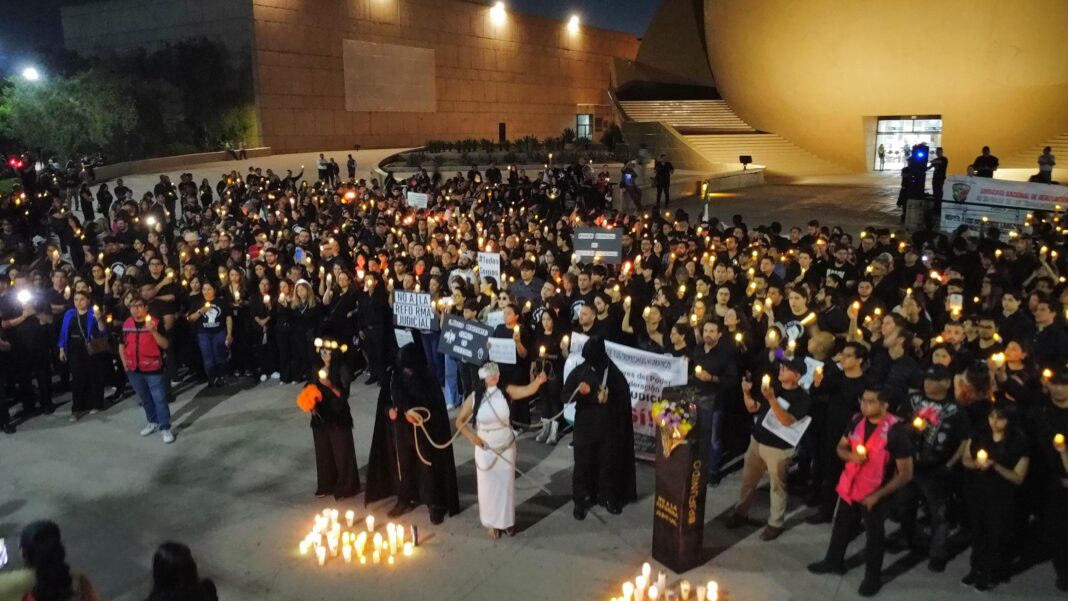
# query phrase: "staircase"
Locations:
[[777, 154], [687, 116], [712, 128], [1029, 158]]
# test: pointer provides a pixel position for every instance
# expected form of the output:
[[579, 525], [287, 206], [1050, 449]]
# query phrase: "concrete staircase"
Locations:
[[1029, 158], [687, 115], [714, 130], [779, 155]]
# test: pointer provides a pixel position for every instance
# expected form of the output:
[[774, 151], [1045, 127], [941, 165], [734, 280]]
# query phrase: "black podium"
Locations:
[[679, 503]]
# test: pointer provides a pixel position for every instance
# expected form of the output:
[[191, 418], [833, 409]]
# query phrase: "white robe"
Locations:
[[496, 476]]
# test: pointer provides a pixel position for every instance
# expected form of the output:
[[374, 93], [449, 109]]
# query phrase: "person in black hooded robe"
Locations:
[[603, 435], [394, 467]]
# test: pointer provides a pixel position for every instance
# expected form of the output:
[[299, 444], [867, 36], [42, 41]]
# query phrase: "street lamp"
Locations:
[[31, 74], [573, 24], [498, 13]]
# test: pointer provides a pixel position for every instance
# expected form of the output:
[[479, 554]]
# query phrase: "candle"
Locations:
[[646, 311], [322, 374], [998, 359], [541, 351], [712, 591], [346, 553], [628, 590], [654, 593], [320, 554], [918, 423], [390, 560], [700, 592], [697, 370], [370, 523], [639, 588], [684, 590], [350, 515], [765, 382], [363, 560], [646, 571], [376, 557], [861, 450], [791, 346], [304, 544], [661, 580], [1058, 441], [1047, 374], [408, 549], [981, 457]]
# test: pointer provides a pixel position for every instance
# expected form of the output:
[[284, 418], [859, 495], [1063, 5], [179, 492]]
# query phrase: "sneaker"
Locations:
[[168, 437], [275, 375], [110, 390], [149, 429], [263, 378], [554, 434], [868, 588], [543, 434], [825, 567]]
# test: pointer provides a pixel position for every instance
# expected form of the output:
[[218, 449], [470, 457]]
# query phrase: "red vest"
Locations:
[[140, 350], [860, 480]]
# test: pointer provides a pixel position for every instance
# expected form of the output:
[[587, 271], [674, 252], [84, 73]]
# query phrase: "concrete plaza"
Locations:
[[237, 487]]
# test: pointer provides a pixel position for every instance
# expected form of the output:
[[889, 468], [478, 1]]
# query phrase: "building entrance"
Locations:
[[896, 136]]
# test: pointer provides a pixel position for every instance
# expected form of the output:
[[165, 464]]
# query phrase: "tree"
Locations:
[[68, 117]]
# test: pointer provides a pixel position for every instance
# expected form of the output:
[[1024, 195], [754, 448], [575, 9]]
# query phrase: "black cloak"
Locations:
[[393, 465], [614, 417]]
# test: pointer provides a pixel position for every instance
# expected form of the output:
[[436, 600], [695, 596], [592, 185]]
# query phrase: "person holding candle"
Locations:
[[495, 449], [549, 340], [877, 452], [262, 309], [997, 459], [395, 466], [141, 351], [788, 404], [79, 335], [1047, 427], [331, 424], [376, 327], [715, 375], [604, 434], [214, 324], [941, 429]]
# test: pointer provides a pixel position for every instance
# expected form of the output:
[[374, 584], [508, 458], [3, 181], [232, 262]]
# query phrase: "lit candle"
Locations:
[[376, 557], [1047, 374], [684, 590], [791, 346], [765, 382], [350, 515], [661, 580], [408, 549], [320, 554], [646, 571], [346, 553], [654, 593], [697, 370], [304, 544], [919, 423], [999, 359], [861, 450], [700, 592], [389, 560], [981, 457], [712, 591], [628, 590], [541, 352], [370, 523], [1058, 441], [567, 340], [322, 374]]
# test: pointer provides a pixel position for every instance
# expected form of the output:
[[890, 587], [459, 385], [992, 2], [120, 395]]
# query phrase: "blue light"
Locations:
[[921, 154]]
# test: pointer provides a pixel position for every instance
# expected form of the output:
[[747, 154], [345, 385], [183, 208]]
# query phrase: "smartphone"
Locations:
[[3, 553]]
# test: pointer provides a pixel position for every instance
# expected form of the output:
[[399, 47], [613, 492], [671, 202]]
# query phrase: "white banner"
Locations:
[[418, 200], [502, 350], [1005, 204], [489, 266], [647, 375]]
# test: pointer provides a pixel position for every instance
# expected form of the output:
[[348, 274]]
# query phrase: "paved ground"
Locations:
[[237, 487]]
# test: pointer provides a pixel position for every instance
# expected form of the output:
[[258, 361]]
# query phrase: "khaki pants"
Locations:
[[760, 458]]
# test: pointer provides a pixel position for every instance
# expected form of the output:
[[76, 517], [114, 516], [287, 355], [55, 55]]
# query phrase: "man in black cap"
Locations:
[[779, 421], [940, 429]]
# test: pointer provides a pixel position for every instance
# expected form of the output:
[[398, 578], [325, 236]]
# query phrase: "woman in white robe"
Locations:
[[495, 451]]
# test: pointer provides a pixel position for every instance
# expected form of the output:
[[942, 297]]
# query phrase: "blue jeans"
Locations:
[[213, 351], [452, 381], [151, 389]]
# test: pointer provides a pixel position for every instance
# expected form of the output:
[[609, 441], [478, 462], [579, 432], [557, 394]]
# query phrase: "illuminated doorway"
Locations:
[[896, 136]]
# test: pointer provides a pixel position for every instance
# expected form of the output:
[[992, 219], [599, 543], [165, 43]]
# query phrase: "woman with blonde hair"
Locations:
[[305, 316]]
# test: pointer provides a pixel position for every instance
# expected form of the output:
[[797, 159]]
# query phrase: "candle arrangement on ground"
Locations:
[[644, 588], [335, 536]]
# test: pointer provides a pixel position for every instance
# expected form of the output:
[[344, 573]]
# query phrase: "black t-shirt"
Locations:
[[936, 443], [213, 318], [799, 405], [1007, 453]]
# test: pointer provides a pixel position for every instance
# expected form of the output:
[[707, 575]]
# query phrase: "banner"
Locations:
[[1005, 204], [605, 246], [465, 340], [418, 200], [414, 310], [647, 375], [489, 266], [404, 337]]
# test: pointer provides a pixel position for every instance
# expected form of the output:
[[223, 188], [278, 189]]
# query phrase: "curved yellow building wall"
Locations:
[[818, 71]]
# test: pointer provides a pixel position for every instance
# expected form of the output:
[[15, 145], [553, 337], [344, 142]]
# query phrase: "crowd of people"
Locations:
[[924, 370]]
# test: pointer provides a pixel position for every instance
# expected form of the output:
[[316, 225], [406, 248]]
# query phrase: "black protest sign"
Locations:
[[597, 245], [465, 340], [414, 310]]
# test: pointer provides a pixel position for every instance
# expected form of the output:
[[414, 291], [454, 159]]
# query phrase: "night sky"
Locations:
[[31, 26]]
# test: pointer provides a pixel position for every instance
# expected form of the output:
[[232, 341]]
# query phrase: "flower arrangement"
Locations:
[[675, 420]]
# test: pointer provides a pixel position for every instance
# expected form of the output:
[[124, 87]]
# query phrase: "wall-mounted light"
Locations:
[[498, 14], [573, 24]]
